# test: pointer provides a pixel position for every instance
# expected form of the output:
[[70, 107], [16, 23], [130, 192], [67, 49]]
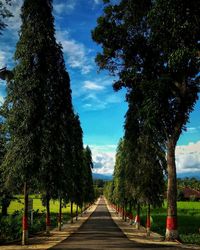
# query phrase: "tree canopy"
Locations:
[[153, 48]]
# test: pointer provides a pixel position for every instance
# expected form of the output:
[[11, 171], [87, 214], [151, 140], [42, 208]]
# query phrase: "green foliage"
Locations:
[[18, 203], [10, 227], [99, 183], [87, 178], [108, 191], [153, 48], [189, 215], [76, 173], [189, 182], [98, 187], [120, 192], [5, 194], [39, 106]]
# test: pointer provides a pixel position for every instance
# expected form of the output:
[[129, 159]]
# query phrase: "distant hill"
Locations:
[[189, 175], [102, 177], [179, 175]]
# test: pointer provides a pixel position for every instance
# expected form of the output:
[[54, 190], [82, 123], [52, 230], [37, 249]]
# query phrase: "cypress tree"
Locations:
[[39, 103], [5, 192], [88, 181], [25, 102], [77, 169], [56, 153]]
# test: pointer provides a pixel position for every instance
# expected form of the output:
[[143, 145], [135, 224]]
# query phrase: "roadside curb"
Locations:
[[43, 242], [139, 235]]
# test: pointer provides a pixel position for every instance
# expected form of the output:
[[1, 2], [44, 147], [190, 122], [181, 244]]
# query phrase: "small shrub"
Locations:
[[10, 227]]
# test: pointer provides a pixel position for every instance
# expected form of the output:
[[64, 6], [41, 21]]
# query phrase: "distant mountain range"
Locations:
[[102, 177], [179, 175], [189, 175]]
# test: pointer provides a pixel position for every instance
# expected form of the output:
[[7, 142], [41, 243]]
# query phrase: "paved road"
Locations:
[[100, 232]]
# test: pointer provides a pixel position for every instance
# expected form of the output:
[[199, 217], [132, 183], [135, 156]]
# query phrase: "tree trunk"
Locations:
[[60, 214], [71, 213], [130, 213], [25, 217], [148, 222], [76, 212], [48, 217], [125, 210], [137, 217], [171, 225], [81, 210]]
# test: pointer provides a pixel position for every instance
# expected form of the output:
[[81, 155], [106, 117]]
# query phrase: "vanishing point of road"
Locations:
[[101, 232]]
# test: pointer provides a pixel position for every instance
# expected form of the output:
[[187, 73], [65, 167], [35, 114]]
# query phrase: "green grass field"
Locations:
[[188, 220], [10, 226], [18, 204]]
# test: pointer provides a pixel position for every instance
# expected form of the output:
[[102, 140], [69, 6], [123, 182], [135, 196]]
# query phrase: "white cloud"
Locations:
[[64, 8], [103, 158], [14, 22], [188, 158], [6, 57], [2, 59], [114, 98], [99, 94], [92, 86], [76, 53], [87, 105], [103, 163], [100, 102], [192, 130], [108, 148]]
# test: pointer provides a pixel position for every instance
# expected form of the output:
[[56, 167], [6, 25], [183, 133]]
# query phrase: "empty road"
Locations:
[[101, 232]]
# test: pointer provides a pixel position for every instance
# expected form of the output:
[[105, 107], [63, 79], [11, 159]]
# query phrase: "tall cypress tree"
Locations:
[[5, 192], [56, 154], [77, 168], [39, 100], [24, 96], [88, 181]]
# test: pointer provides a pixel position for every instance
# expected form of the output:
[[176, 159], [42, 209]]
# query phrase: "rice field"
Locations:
[[188, 220]]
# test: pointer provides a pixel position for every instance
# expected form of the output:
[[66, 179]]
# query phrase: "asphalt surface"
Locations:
[[101, 232]]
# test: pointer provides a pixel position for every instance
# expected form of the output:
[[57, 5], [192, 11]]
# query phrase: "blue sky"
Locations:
[[101, 110]]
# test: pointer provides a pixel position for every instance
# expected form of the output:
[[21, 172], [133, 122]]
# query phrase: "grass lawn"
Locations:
[[188, 220], [18, 204]]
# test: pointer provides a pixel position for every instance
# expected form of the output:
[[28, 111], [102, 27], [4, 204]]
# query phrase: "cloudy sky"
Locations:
[[101, 109]]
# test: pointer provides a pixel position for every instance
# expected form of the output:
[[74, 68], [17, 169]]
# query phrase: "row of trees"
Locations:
[[153, 48], [189, 182], [138, 178], [44, 148]]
